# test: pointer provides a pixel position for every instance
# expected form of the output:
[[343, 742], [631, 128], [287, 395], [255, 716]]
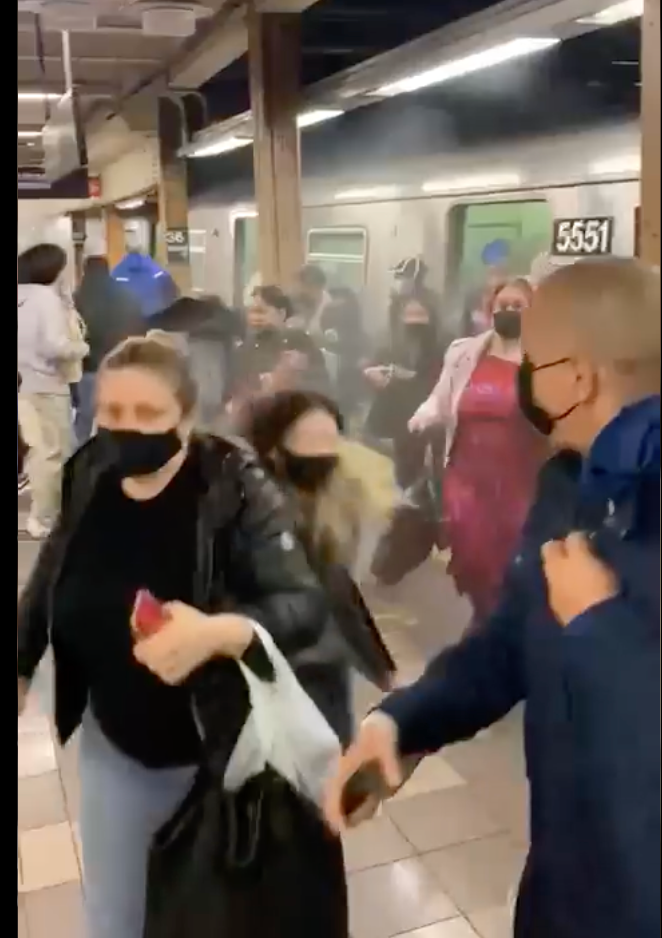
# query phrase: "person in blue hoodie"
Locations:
[[576, 635], [150, 284]]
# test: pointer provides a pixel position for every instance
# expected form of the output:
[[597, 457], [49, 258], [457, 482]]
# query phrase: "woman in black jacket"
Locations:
[[402, 376], [298, 435], [192, 519]]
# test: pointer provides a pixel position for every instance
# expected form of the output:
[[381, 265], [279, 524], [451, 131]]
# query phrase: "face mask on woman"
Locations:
[[507, 323], [132, 453], [308, 473]]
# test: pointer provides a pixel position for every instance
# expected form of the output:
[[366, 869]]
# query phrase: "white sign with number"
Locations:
[[583, 237]]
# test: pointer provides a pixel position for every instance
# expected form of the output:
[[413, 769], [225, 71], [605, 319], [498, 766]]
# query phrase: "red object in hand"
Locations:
[[148, 614]]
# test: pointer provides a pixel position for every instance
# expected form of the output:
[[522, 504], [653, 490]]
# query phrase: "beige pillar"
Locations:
[[649, 246], [274, 56], [173, 246]]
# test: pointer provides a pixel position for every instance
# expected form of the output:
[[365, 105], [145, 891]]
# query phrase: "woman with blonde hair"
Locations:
[[338, 496], [148, 505]]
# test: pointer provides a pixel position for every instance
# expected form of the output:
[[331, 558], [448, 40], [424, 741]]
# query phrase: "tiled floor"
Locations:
[[440, 862]]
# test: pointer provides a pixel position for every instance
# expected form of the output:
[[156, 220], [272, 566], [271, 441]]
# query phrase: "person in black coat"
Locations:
[[298, 436], [402, 375], [576, 633], [110, 313], [193, 519]]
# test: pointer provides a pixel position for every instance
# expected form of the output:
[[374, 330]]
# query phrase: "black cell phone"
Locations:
[[367, 781]]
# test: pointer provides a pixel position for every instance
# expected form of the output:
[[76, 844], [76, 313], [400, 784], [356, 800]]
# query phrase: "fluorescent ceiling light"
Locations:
[[617, 165], [618, 13], [377, 192], [28, 134], [467, 65], [129, 204], [472, 183], [38, 96], [227, 145], [310, 118]]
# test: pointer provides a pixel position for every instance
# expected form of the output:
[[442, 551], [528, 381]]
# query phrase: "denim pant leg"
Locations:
[[85, 410], [123, 804]]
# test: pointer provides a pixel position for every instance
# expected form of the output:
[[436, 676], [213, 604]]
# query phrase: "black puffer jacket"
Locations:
[[247, 561]]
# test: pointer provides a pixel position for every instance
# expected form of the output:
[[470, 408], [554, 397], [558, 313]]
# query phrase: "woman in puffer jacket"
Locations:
[[298, 436]]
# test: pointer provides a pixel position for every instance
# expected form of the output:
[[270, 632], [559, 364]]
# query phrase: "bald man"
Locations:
[[577, 632]]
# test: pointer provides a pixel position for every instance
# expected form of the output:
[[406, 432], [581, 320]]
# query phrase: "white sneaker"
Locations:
[[36, 529]]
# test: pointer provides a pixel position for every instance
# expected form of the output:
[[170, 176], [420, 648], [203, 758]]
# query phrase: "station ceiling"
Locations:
[[113, 54], [337, 35]]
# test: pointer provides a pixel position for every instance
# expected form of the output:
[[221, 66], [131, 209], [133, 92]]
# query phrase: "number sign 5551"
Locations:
[[583, 237]]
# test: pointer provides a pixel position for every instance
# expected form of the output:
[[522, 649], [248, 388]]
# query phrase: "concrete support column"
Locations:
[[650, 133], [274, 56], [173, 241]]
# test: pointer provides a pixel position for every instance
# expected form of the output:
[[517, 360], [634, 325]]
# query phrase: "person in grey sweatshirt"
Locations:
[[47, 347]]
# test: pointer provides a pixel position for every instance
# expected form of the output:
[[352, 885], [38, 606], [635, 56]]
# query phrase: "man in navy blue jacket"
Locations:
[[577, 631]]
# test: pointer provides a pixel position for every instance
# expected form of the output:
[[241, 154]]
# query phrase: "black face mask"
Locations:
[[417, 329], [538, 417], [507, 323], [132, 453], [308, 473]]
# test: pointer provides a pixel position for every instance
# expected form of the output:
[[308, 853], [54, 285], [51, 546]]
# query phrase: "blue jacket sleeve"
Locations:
[[613, 681], [467, 687]]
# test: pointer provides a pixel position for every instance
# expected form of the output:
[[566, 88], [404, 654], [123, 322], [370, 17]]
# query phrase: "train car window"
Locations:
[[488, 240], [341, 253], [245, 256]]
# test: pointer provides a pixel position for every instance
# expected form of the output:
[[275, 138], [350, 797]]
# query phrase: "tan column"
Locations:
[[115, 237], [650, 133], [274, 56], [173, 232]]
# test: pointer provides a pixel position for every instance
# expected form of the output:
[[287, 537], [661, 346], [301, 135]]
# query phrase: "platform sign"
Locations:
[[177, 244], [583, 237]]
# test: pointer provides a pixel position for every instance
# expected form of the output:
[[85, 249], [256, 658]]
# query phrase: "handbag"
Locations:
[[248, 854], [257, 862], [416, 528]]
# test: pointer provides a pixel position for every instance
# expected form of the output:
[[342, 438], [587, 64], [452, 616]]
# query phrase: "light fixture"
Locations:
[[618, 13], [467, 65], [227, 145], [130, 204], [28, 134], [377, 192], [38, 96], [626, 163], [310, 118], [473, 183]]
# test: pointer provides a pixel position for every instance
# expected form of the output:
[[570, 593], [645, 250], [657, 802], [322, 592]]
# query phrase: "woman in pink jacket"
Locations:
[[492, 454]]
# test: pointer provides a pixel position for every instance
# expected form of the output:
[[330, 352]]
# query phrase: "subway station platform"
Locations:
[[440, 862]]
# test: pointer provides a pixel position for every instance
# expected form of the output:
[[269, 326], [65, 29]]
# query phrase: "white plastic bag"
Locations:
[[284, 730]]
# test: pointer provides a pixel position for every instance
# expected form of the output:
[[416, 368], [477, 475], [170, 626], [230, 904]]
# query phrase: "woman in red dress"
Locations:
[[492, 453]]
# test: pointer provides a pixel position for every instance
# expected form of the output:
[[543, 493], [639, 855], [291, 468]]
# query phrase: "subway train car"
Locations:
[[464, 211]]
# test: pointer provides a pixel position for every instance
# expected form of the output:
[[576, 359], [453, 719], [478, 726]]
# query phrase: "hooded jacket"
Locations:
[[592, 694], [150, 284]]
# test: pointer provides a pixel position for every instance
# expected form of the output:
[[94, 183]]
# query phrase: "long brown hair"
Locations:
[[331, 520]]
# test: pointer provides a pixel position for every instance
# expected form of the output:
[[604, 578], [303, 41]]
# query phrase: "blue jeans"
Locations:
[[84, 421], [123, 804]]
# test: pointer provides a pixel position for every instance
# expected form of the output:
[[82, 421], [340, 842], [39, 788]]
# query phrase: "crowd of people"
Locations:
[[202, 454]]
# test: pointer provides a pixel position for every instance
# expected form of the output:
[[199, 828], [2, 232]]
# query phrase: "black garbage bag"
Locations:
[[258, 863]]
